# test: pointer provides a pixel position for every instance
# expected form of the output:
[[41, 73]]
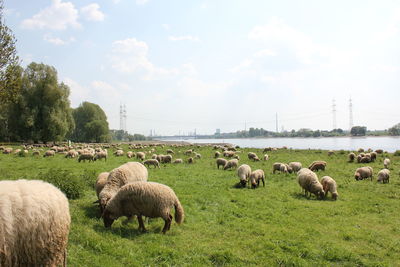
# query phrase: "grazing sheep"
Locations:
[[379, 151], [170, 151], [267, 149], [317, 165], [177, 161], [266, 157], [148, 199], [217, 154], [276, 167], [331, 153], [363, 173], [360, 150], [252, 155], [197, 156], [365, 159], [35, 153], [101, 182], [119, 153], [229, 154], [351, 157], [124, 174], [71, 154], [281, 167], [243, 173], [140, 155], [166, 159], [153, 162], [101, 155], [295, 166], [16, 151], [34, 224], [188, 152], [221, 162], [386, 163], [373, 156], [255, 178], [86, 156], [231, 164], [329, 185], [49, 153], [383, 176], [7, 150], [190, 160], [130, 154], [308, 181]]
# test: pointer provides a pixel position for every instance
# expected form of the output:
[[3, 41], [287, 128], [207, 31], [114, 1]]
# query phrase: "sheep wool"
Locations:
[[308, 181], [383, 176], [34, 224], [243, 173], [329, 185], [101, 182], [148, 199]]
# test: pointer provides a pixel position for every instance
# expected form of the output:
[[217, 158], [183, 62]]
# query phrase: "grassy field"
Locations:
[[273, 225]]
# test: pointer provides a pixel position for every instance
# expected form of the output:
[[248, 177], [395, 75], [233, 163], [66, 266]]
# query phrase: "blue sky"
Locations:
[[185, 65]]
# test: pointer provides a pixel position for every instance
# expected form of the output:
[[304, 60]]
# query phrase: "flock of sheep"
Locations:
[[35, 218]]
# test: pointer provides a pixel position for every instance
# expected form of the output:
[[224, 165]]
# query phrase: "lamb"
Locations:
[[36, 153], [281, 167], [101, 155], [386, 163], [153, 162], [221, 162], [166, 159], [329, 185], [217, 154], [229, 154], [255, 178], [188, 152], [177, 161], [295, 166], [86, 156], [231, 164], [197, 156], [317, 165], [243, 173], [308, 181], [49, 153], [363, 173], [266, 157], [140, 155], [124, 174], [373, 156], [383, 176], [351, 157], [34, 224], [101, 182], [148, 199]]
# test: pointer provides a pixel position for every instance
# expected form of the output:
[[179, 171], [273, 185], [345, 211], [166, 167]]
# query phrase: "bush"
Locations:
[[397, 153], [71, 185]]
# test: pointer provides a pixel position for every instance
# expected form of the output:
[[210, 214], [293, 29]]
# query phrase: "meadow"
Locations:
[[275, 225]]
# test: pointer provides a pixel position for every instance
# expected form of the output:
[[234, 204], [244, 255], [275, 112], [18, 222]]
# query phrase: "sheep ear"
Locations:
[[97, 201]]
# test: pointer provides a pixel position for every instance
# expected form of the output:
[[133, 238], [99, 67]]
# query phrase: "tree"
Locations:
[[91, 124], [395, 130], [9, 62], [358, 131], [42, 111]]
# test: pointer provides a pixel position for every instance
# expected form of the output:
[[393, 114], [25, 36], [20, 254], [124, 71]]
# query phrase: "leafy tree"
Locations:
[[42, 111], [395, 130], [91, 124], [358, 131]]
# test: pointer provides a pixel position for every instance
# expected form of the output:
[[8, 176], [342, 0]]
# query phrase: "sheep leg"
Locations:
[[141, 224], [263, 182], [167, 224]]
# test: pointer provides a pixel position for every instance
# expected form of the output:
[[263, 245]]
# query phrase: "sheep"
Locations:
[[229, 154], [267, 149], [365, 159], [16, 151], [197, 156], [166, 159], [386, 163], [140, 155], [190, 160], [243, 173], [317, 165], [130, 154], [379, 151], [153, 162], [217, 154], [383, 176], [329, 185], [188, 152], [86, 156], [360, 150], [126, 173], [351, 157], [373, 156], [266, 157], [148, 199], [359, 157], [363, 173], [255, 178], [101, 182], [118, 153], [49, 153], [251, 155], [170, 151], [281, 167], [7, 150], [71, 154], [221, 162], [295, 166], [308, 181], [231, 164], [331, 153], [34, 224], [276, 167], [177, 161], [36, 153], [101, 155]]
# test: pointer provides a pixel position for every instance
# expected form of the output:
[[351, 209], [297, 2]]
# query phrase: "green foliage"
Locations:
[[396, 153], [395, 130], [358, 130], [121, 135], [72, 186], [91, 124]]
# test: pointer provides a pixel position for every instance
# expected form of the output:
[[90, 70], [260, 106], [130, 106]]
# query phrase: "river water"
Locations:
[[387, 143]]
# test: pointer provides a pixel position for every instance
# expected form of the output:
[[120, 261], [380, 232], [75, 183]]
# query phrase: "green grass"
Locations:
[[227, 226]]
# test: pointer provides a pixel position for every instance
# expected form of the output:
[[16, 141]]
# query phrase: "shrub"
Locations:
[[71, 185], [397, 153]]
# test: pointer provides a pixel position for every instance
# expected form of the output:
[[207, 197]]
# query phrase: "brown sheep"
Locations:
[[221, 162], [255, 178], [231, 164], [363, 173]]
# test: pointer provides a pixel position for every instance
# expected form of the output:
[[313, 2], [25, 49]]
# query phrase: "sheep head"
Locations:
[[107, 218]]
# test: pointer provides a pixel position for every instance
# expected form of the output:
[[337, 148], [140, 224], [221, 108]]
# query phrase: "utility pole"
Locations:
[[333, 114]]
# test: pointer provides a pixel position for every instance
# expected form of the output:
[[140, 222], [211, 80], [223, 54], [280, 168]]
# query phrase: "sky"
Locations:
[[181, 66]]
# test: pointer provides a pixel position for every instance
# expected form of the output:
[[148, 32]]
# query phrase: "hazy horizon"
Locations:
[[185, 65]]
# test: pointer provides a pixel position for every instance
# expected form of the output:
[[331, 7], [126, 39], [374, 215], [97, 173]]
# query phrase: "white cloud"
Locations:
[[166, 27], [58, 16], [78, 93], [92, 12], [184, 38], [265, 53], [141, 2], [130, 56], [245, 64], [57, 41]]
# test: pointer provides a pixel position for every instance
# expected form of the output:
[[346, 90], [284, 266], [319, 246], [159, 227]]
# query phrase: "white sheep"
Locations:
[[231, 164], [49, 153], [266, 157], [383, 176], [221, 162], [329, 185], [386, 163], [101, 182], [140, 155], [177, 161], [308, 181], [255, 178], [152, 162], [243, 173], [34, 224], [295, 166], [363, 173], [118, 177], [148, 199]]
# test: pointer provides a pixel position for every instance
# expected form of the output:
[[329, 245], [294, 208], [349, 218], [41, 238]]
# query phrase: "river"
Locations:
[[387, 143]]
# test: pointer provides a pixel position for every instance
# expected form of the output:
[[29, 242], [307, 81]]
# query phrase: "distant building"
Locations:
[[218, 132]]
